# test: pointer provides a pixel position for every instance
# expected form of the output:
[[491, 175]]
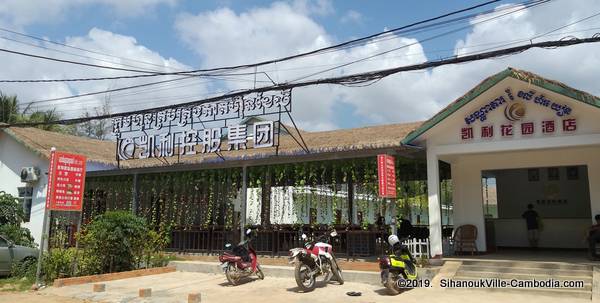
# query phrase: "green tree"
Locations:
[[11, 217], [46, 116], [10, 112], [9, 108]]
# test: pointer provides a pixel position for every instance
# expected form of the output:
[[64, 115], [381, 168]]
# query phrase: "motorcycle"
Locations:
[[315, 259], [398, 267], [241, 262]]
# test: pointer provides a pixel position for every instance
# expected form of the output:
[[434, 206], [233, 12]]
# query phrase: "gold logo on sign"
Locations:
[[514, 111]]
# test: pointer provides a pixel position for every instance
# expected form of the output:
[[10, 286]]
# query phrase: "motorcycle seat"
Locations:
[[230, 258]]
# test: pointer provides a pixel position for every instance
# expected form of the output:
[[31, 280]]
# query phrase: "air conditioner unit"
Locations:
[[30, 174]]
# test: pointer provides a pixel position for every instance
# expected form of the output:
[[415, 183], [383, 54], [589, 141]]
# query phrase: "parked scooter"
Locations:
[[241, 262], [315, 259], [398, 267]]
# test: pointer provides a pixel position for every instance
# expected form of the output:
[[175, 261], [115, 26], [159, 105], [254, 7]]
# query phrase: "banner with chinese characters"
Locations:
[[181, 131], [518, 121], [386, 172], [66, 180]]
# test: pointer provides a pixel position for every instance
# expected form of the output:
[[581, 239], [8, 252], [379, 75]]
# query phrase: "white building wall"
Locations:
[[468, 158], [13, 157]]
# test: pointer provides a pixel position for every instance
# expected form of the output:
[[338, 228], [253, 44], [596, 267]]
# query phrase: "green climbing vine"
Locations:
[[206, 198]]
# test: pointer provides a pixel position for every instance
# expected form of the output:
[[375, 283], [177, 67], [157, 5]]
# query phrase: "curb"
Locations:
[[112, 276]]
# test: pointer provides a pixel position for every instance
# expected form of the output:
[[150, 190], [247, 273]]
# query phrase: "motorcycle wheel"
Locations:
[[327, 277], [233, 280], [337, 273], [392, 286], [260, 273], [305, 282]]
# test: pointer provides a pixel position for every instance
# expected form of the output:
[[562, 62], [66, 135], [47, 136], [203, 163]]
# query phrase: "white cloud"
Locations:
[[128, 50], [313, 7], [19, 13], [222, 37], [225, 37], [352, 16]]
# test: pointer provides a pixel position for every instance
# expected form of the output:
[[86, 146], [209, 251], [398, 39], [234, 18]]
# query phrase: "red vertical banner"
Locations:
[[66, 181], [386, 172]]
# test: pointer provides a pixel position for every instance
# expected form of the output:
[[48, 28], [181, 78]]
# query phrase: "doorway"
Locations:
[[559, 194]]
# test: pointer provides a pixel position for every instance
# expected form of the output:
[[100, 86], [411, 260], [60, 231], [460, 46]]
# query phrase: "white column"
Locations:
[[435, 214]]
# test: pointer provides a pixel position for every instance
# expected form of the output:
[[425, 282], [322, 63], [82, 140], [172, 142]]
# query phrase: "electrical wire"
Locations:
[[419, 41], [238, 66], [81, 49], [342, 80], [72, 54]]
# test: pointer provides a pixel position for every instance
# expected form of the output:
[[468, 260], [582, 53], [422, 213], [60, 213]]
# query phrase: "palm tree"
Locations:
[[10, 113], [9, 108], [46, 116]]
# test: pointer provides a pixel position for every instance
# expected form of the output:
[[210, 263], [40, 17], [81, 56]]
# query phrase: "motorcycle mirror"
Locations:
[[248, 232], [304, 237], [333, 233]]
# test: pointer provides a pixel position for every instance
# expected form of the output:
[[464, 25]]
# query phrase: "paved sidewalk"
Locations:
[[174, 287]]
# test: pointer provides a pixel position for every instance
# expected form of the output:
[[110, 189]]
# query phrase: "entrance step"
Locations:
[[528, 264], [528, 271], [474, 270], [522, 276]]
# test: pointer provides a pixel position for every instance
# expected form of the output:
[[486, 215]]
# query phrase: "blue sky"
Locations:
[[179, 34], [155, 29]]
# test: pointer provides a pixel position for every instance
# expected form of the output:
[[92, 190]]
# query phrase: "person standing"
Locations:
[[593, 236], [532, 220]]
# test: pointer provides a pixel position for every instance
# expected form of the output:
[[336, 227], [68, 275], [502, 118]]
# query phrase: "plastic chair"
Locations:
[[465, 237]]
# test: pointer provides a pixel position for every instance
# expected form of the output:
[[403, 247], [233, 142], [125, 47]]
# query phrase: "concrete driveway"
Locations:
[[174, 287]]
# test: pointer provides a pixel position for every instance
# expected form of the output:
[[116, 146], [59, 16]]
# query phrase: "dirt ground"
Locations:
[[174, 287], [37, 297]]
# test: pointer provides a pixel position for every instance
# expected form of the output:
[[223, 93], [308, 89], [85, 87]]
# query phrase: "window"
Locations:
[[25, 196]]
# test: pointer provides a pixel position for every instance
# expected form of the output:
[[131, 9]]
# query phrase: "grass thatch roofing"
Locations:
[[344, 140]]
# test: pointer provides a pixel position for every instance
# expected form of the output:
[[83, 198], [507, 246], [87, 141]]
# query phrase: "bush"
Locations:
[[153, 247], [11, 211], [58, 263], [117, 238], [25, 269], [11, 217], [18, 235]]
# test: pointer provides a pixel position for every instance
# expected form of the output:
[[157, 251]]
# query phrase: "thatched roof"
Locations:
[[344, 140], [41, 141]]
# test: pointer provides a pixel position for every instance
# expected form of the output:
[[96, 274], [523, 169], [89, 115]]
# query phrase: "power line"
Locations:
[[420, 41], [143, 85], [80, 48], [169, 86], [238, 66], [342, 80], [134, 87], [69, 53]]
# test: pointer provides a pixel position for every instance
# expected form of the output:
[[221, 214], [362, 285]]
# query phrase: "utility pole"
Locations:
[[243, 202]]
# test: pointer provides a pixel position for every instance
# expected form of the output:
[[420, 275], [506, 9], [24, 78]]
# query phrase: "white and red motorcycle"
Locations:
[[315, 259]]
